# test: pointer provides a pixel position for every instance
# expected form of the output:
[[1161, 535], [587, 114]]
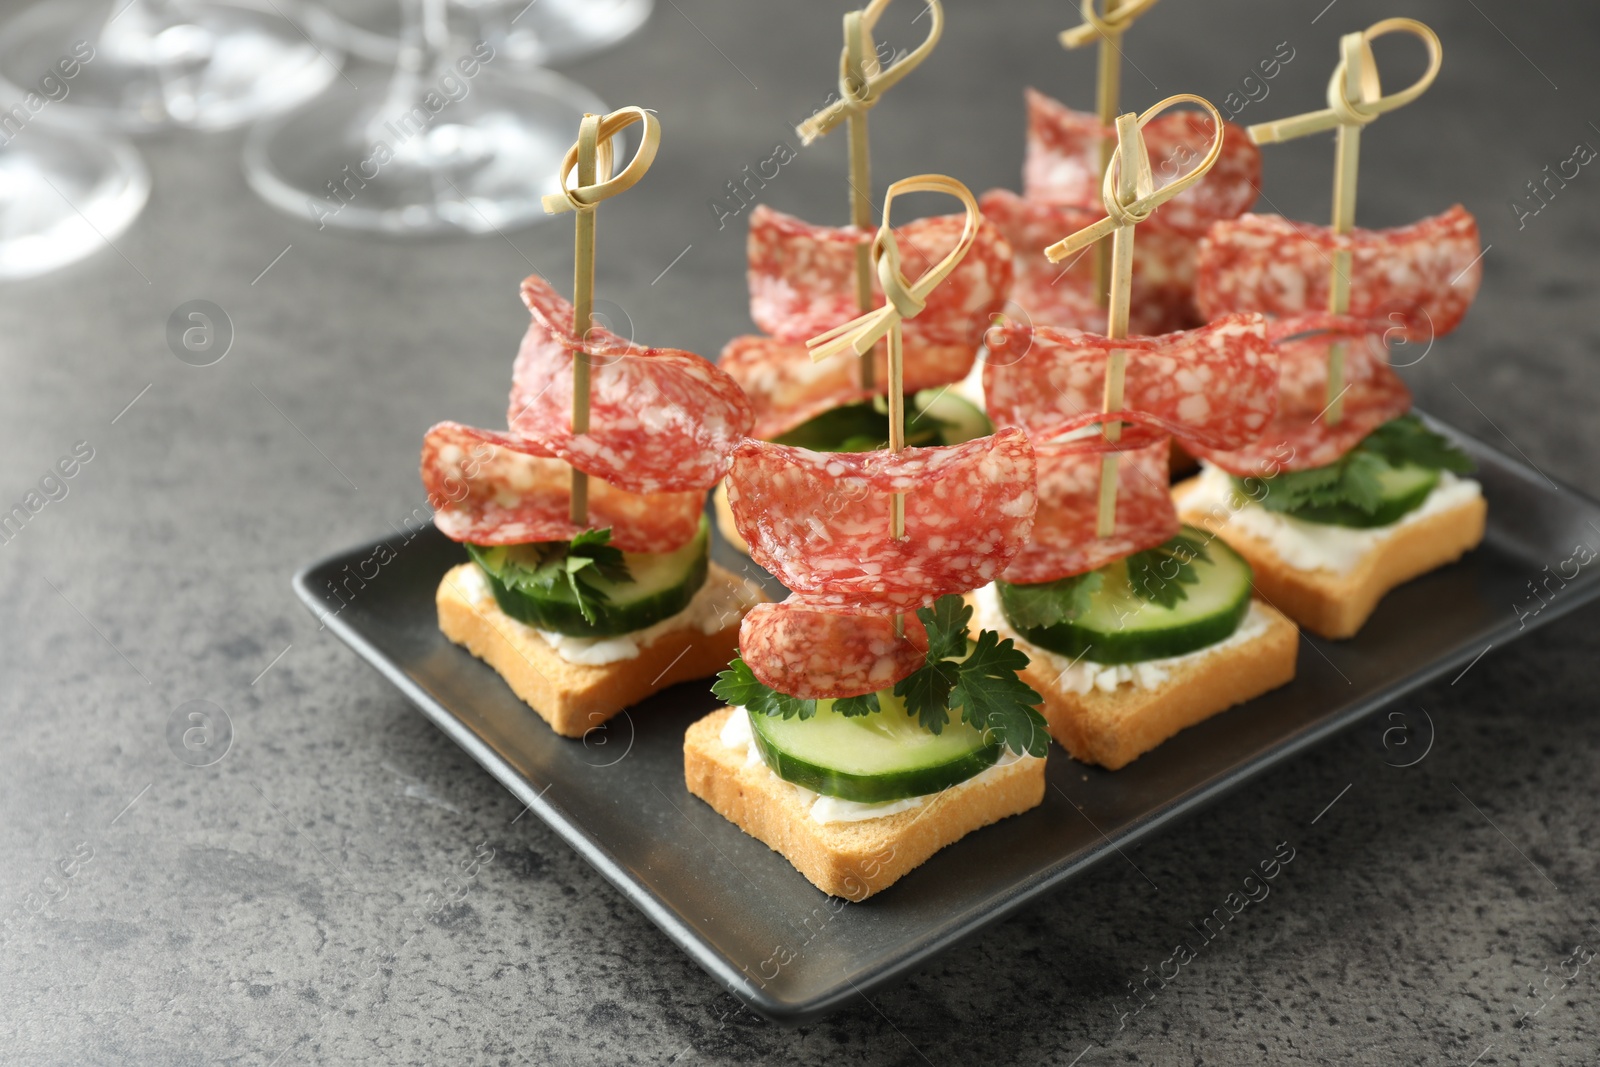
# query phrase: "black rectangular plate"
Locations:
[[791, 952]]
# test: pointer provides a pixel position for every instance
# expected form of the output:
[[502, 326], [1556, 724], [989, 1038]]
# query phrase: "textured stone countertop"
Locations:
[[213, 910]]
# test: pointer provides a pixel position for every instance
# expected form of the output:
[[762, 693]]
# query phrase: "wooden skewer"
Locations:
[[1134, 180], [1129, 194], [583, 306], [862, 81], [591, 158], [903, 300], [1107, 29], [1355, 98], [856, 49]]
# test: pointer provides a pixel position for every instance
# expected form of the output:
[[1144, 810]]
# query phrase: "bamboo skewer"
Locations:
[[862, 81], [1355, 98], [902, 300], [591, 158], [1129, 194], [1107, 29]]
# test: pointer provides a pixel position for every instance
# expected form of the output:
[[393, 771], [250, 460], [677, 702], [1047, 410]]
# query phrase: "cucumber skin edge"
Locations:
[[870, 788]]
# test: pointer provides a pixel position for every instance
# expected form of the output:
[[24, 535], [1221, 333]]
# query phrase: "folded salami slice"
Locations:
[[798, 650], [500, 489], [1064, 541], [1215, 386], [786, 388], [1062, 164], [660, 420], [819, 521], [802, 278], [1299, 437], [1062, 294], [1421, 277]]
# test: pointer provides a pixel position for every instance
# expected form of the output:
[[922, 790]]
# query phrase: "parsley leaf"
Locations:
[[1044, 604], [1159, 574], [538, 568], [865, 704], [739, 688], [995, 701], [1406, 440], [980, 678], [1354, 479]]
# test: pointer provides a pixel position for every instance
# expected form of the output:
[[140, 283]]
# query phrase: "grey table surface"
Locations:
[[231, 913]]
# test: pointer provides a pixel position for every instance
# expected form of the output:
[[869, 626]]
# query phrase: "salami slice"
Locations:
[[499, 489], [1062, 294], [1064, 541], [1062, 164], [786, 388], [819, 521], [660, 420], [802, 278], [1299, 437], [798, 650], [1421, 277], [1215, 386]]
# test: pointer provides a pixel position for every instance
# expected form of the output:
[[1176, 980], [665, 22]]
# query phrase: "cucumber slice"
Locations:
[[960, 419], [933, 417], [663, 584], [870, 758], [1403, 490], [1116, 625]]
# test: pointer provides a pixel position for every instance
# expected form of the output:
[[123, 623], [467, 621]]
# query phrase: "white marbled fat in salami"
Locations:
[[1299, 436], [799, 650], [1064, 539], [819, 521], [500, 489], [802, 278], [1062, 164], [1421, 277], [786, 387], [660, 420], [1215, 386]]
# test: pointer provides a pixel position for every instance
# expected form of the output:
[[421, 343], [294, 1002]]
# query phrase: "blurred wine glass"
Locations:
[[459, 141], [525, 33], [153, 64], [63, 195]]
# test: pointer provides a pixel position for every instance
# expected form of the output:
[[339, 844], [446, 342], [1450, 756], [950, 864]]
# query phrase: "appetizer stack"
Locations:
[[1134, 627], [866, 728], [590, 585], [1346, 495], [1067, 153], [948, 580], [805, 279]]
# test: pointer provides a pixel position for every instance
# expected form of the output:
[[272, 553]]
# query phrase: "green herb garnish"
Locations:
[[1043, 604], [979, 677], [1159, 574], [1354, 479], [539, 567]]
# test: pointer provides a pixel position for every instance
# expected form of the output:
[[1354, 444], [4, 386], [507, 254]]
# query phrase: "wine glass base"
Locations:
[[479, 164], [64, 195], [206, 64], [526, 34]]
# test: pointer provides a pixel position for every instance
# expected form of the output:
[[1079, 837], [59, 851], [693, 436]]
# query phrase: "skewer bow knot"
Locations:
[[862, 78], [903, 299], [1128, 204], [1103, 27], [1355, 92], [594, 142]]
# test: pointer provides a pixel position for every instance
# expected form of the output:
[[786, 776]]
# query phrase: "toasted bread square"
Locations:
[[848, 859], [1337, 605], [576, 697], [1113, 729]]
